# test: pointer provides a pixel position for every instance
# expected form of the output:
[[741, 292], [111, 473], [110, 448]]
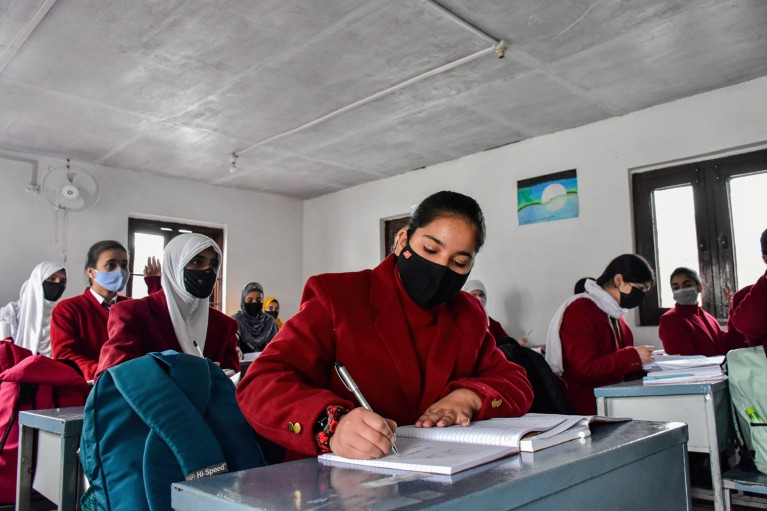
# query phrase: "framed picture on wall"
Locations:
[[547, 198]]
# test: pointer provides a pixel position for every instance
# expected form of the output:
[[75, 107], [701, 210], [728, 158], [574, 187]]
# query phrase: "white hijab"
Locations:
[[188, 313], [28, 321], [596, 294]]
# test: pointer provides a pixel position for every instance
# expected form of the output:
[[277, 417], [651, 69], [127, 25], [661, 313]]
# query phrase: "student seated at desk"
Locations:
[[477, 288], [417, 347], [687, 329], [28, 321], [589, 343], [272, 307], [747, 311], [79, 324], [177, 317], [256, 327]]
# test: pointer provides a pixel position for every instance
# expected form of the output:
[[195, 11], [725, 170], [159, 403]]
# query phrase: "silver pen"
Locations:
[[348, 381]]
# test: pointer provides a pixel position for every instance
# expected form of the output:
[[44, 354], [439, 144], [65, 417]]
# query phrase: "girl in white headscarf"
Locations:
[[28, 321], [179, 316]]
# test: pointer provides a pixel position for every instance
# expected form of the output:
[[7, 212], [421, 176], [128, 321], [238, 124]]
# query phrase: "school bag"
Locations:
[[747, 379], [29, 382], [159, 419], [548, 396]]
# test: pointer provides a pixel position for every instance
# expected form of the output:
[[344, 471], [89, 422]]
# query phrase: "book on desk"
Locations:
[[455, 448]]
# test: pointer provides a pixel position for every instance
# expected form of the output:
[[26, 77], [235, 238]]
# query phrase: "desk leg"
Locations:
[[24, 471], [68, 479], [713, 446]]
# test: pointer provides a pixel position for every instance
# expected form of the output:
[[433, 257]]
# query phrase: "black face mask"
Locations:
[[199, 283], [428, 284], [253, 308], [273, 314], [52, 291], [632, 299]]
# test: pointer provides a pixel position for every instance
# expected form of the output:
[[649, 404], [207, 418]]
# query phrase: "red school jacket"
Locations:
[[749, 316], [138, 327], [689, 330], [592, 355], [358, 319]]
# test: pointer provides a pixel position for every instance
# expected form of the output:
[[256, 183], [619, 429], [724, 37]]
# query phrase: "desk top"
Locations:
[[64, 421], [635, 388], [508, 483]]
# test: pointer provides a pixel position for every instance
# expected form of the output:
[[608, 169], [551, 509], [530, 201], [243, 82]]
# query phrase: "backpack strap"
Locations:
[[149, 391]]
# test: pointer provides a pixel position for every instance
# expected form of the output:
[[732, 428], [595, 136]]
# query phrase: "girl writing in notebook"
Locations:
[[417, 347], [589, 343]]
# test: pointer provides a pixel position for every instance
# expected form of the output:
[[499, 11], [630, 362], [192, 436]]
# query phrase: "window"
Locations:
[[707, 216], [147, 238]]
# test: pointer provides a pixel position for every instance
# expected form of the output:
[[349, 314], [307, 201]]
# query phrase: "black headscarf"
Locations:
[[255, 330]]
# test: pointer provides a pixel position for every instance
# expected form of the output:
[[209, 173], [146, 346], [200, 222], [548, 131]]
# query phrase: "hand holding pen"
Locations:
[[348, 381]]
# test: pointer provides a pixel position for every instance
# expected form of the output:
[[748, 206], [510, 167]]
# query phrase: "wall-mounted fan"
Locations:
[[70, 189]]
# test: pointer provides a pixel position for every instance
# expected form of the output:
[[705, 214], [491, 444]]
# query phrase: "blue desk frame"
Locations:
[[705, 407], [631, 466]]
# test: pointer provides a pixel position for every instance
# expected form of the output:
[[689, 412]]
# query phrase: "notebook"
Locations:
[[456, 448]]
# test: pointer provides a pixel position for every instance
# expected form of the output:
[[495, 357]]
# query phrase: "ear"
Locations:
[[764, 258], [401, 240], [91, 273], [618, 280]]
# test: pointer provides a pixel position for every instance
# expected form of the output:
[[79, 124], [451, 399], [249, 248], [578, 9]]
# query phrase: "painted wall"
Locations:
[[263, 232], [529, 270]]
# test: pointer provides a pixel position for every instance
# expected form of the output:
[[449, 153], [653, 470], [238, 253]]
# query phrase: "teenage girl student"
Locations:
[[27, 321], [256, 327], [751, 320], [79, 324], [177, 317], [589, 343], [417, 347], [272, 307], [686, 329]]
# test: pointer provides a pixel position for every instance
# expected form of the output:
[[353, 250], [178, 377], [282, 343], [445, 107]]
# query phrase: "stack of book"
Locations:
[[685, 370]]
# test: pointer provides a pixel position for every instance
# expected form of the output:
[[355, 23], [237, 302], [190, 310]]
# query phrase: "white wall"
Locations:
[[263, 233], [528, 270]]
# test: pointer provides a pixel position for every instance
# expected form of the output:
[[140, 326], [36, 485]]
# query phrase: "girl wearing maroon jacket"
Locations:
[[687, 329], [589, 343], [417, 347]]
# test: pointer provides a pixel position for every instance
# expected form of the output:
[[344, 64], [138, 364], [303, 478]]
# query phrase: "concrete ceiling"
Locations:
[[318, 96]]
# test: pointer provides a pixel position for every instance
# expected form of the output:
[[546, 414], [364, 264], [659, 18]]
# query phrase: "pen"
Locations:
[[527, 335], [347, 380], [197, 347]]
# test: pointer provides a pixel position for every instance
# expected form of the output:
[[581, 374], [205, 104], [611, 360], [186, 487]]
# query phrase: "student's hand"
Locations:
[[152, 268], [363, 435], [522, 341], [458, 407], [645, 353]]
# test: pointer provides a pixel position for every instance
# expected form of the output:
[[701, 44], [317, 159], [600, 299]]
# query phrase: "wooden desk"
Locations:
[[58, 474], [631, 466], [704, 407]]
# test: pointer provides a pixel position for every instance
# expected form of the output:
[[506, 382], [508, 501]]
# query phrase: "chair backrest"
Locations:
[[29, 382], [159, 419], [548, 396]]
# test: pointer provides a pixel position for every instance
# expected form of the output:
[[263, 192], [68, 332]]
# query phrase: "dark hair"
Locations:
[[763, 241], [632, 267], [580, 285], [446, 203], [97, 248], [689, 272]]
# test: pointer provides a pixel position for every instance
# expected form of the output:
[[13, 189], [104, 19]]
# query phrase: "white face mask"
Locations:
[[686, 296]]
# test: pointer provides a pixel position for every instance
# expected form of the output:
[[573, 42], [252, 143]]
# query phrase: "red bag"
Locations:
[[29, 382]]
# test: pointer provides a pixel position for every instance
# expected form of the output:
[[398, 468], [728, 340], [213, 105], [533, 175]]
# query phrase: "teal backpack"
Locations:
[[747, 376], [159, 419]]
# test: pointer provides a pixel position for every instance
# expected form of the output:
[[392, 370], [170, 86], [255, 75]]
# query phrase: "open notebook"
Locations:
[[456, 448]]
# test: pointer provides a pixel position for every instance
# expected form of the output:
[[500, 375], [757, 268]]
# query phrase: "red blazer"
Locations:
[[749, 316], [359, 320], [78, 330], [138, 327], [592, 356], [496, 329], [689, 330]]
